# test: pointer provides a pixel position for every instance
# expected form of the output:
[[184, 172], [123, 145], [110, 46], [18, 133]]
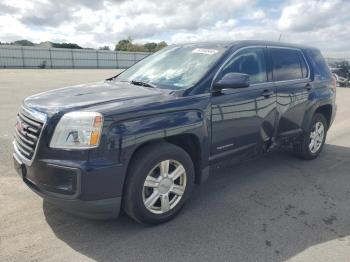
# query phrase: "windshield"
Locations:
[[174, 67]]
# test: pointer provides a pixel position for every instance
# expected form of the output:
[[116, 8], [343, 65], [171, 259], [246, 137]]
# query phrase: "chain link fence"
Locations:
[[37, 57]]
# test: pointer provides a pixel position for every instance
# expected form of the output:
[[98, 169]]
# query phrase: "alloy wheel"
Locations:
[[316, 137], [164, 186]]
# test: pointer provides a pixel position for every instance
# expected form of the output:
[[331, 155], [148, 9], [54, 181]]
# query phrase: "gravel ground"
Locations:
[[274, 208]]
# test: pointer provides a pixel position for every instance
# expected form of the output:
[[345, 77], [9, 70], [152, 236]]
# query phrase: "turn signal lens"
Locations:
[[95, 137]]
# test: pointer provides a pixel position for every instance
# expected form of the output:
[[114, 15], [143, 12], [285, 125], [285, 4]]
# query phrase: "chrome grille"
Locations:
[[27, 133]]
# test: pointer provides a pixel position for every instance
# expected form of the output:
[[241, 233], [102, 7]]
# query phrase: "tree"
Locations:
[[150, 47], [161, 45], [106, 47], [127, 45], [23, 43], [124, 45], [66, 45]]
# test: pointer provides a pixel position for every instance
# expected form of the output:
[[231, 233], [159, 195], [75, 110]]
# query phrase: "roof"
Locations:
[[270, 43], [241, 43]]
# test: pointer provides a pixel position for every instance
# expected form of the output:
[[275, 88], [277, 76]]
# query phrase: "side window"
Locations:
[[286, 64], [320, 66], [249, 61]]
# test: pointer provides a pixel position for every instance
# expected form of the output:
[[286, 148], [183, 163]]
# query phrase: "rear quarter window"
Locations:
[[320, 67]]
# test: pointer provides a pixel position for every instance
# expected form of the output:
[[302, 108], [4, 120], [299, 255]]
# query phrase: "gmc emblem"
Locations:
[[20, 125]]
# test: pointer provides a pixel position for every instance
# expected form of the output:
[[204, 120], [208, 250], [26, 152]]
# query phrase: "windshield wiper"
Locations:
[[141, 83]]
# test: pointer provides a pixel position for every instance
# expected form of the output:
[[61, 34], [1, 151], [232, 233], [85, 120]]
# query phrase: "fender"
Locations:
[[133, 133], [318, 99]]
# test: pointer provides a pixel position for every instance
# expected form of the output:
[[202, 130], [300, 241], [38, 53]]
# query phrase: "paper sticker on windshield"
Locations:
[[205, 51]]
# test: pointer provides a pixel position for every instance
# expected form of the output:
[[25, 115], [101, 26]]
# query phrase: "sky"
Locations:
[[92, 23]]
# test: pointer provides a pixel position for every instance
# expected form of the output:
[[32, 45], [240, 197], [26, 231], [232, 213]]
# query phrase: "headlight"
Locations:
[[78, 130]]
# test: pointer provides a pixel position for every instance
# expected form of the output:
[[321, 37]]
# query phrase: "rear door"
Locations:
[[290, 74], [243, 118]]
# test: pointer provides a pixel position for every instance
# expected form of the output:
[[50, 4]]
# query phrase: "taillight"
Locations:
[[334, 86]]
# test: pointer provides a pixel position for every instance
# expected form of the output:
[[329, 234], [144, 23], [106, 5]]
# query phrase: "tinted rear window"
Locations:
[[320, 66], [286, 64]]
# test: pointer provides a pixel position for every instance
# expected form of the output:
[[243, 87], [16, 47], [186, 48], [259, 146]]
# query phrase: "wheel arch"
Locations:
[[326, 111], [188, 142]]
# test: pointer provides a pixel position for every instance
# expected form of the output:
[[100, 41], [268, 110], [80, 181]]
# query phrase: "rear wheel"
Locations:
[[312, 142], [159, 182]]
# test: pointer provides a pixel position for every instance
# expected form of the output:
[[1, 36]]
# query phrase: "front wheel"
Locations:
[[312, 142], [159, 181]]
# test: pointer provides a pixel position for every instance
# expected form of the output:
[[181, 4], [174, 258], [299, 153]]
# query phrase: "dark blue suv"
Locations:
[[142, 139]]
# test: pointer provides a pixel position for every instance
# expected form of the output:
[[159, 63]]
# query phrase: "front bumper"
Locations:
[[97, 209], [90, 190]]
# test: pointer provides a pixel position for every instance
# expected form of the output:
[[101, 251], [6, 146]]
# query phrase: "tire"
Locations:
[[150, 162], [302, 148]]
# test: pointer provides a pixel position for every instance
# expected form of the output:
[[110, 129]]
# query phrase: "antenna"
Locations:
[[279, 38]]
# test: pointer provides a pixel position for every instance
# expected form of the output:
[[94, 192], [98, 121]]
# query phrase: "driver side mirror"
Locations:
[[232, 80]]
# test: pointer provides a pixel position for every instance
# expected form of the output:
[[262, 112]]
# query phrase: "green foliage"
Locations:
[[23, 43], [106, 47], [161, 45], [127, 45], [150, 46], [66, 45], [123, 45]]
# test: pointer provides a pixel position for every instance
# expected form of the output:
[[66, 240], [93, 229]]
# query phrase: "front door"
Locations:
[[243, 118]]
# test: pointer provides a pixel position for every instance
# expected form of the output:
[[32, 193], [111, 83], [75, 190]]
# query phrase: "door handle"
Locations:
[[267, 93], [308, 87]]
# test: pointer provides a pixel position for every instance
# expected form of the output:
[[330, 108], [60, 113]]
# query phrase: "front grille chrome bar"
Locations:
[[28, 130]]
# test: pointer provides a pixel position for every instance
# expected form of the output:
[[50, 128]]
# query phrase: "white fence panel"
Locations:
[[37, 57]]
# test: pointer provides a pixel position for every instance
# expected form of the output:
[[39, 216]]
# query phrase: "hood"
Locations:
[[92, 94]]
